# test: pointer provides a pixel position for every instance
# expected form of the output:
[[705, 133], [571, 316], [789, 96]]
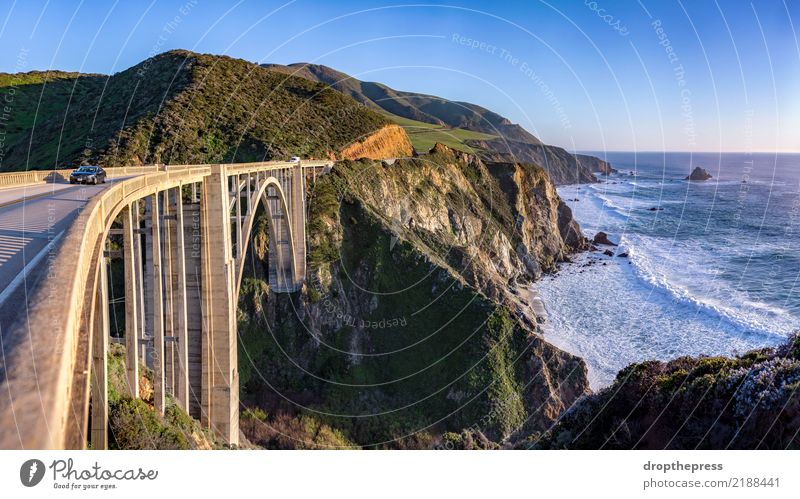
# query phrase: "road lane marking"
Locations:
[[14, 284]]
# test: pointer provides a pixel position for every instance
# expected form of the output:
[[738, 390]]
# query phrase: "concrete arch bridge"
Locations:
[[184, 232]]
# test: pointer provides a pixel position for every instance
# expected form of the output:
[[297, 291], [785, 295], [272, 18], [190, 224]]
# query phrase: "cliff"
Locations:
[[390, 141], [746, 402], [497, 226], [562, 167], [411, 327]]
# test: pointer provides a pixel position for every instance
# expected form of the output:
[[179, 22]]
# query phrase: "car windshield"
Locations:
[[86, 169]]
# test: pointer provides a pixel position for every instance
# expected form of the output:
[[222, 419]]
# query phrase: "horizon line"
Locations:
[[580, 151]]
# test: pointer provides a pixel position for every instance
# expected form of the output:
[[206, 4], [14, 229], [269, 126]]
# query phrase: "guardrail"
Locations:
[[19, 179]]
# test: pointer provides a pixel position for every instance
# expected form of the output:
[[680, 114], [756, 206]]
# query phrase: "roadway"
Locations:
[[31, 217]]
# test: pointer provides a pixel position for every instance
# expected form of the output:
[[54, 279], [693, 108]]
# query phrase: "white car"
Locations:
[[294, 159]]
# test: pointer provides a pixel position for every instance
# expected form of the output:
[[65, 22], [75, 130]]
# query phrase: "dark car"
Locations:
[[88, 175]]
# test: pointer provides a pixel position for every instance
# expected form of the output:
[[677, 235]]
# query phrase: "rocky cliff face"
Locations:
[[496, 226], [409, 328], [562, 166], [391, 141]]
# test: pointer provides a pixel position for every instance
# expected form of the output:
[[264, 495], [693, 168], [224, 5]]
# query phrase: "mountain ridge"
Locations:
[[507, 141], [178, 107]]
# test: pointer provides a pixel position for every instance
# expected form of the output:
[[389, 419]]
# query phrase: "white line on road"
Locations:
[[13, 285]]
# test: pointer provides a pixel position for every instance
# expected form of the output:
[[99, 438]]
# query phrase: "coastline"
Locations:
[[614, 311]]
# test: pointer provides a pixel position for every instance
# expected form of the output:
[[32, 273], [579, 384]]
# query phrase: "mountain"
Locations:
[[182, 107], [425, 116], [414, 106]]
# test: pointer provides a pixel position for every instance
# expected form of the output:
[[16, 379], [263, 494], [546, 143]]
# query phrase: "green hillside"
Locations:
[[424, 135], [411, 105], [177, 107]]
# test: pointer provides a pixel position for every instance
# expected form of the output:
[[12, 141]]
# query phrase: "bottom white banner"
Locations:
[[351, 474]]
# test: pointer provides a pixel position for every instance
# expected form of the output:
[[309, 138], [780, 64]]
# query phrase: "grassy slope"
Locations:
[[178, 107], [38, 100], [424, 135], [410, 105]]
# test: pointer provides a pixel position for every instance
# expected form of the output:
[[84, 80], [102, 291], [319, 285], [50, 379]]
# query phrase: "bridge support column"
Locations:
[[167, 225], [130, 218], [141, 280], [179, 306], [155, 300], [297, 205], [194, 309], [220, 370], [100, 332]]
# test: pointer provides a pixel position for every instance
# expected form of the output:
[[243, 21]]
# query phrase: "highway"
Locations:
[[31, 217]]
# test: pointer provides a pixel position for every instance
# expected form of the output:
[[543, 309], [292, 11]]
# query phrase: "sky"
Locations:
[[586, 75]]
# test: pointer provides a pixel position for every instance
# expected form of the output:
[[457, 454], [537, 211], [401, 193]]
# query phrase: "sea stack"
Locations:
[[699, 174], [602, 238]]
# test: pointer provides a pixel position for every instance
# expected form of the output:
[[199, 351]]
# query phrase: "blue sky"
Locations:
[[586, 75]]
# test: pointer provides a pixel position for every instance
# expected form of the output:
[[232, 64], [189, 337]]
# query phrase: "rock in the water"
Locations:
[[602, 238], [623, 255], [608, 253], [699, 174]]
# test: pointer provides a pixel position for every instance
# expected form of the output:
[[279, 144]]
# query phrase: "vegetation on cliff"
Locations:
[[135, 424], [747, 402], [391, 141]]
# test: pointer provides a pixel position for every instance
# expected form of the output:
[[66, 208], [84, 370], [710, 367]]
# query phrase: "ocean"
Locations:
[[713, 267]]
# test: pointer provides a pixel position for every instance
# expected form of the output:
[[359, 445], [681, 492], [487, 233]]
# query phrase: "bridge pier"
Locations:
[[194, 310], [179, 305], [297, 204], [155, 301], [166, 276], [220, 400], [99, 368], [130, 222]]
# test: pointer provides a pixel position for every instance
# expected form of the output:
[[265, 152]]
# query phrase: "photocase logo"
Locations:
[[31, 472]]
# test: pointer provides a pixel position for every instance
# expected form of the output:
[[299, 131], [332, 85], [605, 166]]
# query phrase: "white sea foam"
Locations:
[[669, 298]]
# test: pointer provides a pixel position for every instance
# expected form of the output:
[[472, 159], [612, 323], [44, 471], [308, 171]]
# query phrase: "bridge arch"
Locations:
[[270, 194]]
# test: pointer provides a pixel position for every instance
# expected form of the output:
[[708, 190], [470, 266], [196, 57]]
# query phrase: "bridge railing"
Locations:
[[33, 177], [19, 179]]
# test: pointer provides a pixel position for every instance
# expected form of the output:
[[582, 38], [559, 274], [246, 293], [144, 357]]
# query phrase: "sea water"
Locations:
[[713, 267]]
